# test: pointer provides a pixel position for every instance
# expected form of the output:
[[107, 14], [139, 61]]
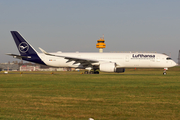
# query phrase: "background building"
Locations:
[[9, 67], [15, 66]]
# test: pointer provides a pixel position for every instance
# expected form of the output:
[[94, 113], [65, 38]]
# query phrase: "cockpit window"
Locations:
[[168, 58]]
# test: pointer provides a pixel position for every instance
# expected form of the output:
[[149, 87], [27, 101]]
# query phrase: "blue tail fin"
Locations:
[[23, 46], [25, 49]]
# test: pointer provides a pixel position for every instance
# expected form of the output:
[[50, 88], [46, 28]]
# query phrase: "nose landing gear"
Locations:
[[164, 73]]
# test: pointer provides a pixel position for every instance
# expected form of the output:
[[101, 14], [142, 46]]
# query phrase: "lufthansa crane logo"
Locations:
[[23, 47]]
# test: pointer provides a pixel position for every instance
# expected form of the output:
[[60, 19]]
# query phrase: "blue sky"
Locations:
[[76, 25]]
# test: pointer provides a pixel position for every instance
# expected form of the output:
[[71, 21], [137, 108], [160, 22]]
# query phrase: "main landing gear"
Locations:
[[164, 73], [91, 72]]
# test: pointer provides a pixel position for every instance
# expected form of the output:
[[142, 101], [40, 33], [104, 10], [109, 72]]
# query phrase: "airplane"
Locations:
[[91, 62]]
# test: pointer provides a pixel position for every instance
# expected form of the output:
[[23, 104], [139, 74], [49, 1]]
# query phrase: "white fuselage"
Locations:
[[122, 60], [93, 62]]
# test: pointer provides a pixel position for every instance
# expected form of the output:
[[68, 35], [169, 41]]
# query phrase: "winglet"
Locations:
[[44, 51]]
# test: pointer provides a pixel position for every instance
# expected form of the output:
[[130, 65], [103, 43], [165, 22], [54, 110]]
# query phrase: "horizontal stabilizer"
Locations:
[[18, 56]]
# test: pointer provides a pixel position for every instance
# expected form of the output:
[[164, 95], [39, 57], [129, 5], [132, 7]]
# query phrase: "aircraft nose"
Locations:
[[174, 63]]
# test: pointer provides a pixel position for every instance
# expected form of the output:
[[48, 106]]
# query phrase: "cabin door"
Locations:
[[127, 58]]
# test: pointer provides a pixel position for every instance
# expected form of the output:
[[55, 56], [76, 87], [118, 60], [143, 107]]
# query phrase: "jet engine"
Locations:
[[110, 67]]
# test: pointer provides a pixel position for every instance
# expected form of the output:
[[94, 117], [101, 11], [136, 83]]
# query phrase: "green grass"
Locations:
[[135, 94]]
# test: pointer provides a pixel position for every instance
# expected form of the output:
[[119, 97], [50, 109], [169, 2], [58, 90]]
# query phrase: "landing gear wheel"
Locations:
[[164, 73], [91, 72], [85, 72], [96, 72]]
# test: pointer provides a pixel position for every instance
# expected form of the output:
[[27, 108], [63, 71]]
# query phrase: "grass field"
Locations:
[[136, 94]]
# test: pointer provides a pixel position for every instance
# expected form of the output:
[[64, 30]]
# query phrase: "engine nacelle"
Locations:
[[110, 67]]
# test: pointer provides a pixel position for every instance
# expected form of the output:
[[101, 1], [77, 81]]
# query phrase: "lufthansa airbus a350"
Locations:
[[92, 62]]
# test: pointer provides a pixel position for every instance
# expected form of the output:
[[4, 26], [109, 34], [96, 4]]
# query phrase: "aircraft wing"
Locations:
[[18, 56], [82, 61]]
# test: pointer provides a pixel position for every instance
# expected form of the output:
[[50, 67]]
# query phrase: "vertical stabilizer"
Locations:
[[22, 45], [27, 52]]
